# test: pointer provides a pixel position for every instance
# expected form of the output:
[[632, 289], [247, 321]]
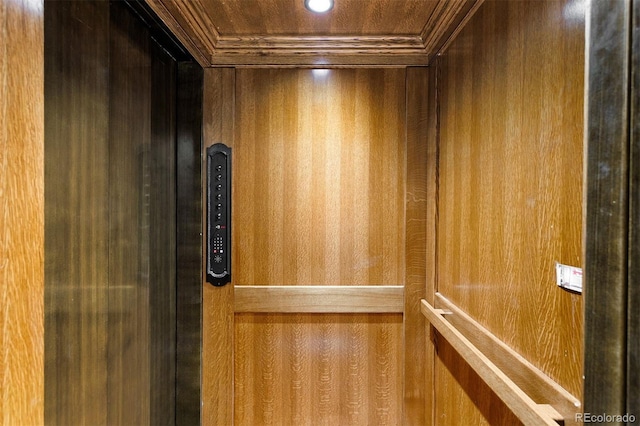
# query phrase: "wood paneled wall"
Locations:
[[323, 196], [217, 303], [419, 200], [317, 202], [510, 186], [319, 162], [323, 369], [21, 212], [320, 176], [431, 236]]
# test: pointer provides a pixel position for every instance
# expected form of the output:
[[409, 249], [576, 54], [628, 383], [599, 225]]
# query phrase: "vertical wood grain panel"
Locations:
[[76, 211], [22, 212], [418, 174], [317, 201], [458, 385], [326, 369], [354, 18], [510, 183], [217, 303], [431, 228], [319, 177]]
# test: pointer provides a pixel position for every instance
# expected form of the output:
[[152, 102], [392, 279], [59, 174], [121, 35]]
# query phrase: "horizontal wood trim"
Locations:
[[319, 299], [531, 409], [314, 50], [316, 59], [320, 42]]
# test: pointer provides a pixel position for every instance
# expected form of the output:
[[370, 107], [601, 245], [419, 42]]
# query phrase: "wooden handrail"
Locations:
[[521, 403]]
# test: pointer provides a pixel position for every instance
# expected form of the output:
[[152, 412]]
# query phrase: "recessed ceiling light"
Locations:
[[318, 6]]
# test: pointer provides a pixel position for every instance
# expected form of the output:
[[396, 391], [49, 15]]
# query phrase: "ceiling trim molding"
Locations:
[[321, 42], [441, 18], [191, 24], [199, 21], [446, 18], [315, 58], [169, 18], [465, 17], [314, 50]]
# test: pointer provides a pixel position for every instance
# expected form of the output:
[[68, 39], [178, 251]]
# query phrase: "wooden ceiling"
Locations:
[[290, 18], [285, 33]]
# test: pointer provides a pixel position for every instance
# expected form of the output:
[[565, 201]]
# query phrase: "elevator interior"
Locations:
[[446, 166]]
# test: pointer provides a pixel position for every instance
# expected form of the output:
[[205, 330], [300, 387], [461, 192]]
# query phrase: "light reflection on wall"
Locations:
[[35, 7], [320, 73], [575, 11]]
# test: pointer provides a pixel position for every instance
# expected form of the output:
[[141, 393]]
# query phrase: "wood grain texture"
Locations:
[[521, 404], [607, 207], [462, 385], [510, 183], [416, 223], [318, 369], [21, 212], [311, 51], [316, 203], [319, 299], [217, 304], [447, 18], [539, 387], [277, 32], [347, 18], [431, 235], [311, 164], [318, 200]]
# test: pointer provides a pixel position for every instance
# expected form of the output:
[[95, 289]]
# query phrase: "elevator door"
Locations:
[[110, 218]]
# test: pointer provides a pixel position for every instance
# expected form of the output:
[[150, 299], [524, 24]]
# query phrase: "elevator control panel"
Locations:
[[218, 214]]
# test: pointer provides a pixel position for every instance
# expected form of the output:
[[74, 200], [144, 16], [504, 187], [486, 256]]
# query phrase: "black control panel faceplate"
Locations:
[[218, 214]]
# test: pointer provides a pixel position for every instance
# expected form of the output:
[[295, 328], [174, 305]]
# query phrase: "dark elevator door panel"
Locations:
[[141, 360], [110, 218], [76, 213]]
